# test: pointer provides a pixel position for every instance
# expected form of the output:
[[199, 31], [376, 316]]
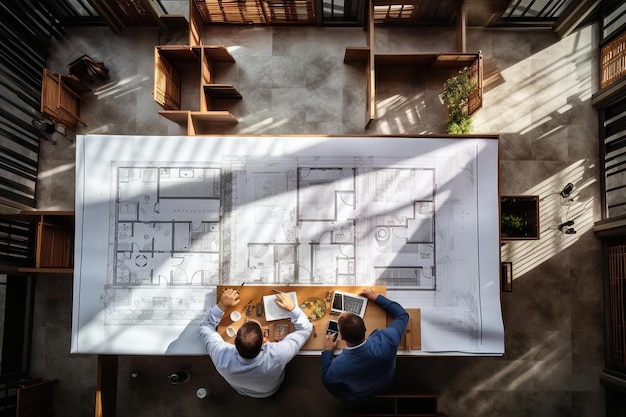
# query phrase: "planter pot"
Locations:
[[519, 217]]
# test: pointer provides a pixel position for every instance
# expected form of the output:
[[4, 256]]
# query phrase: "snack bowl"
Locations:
[[314, 308]]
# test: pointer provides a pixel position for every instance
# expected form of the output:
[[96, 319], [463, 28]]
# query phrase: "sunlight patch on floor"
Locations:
[[554, 210], [57, 170], [121, 87]]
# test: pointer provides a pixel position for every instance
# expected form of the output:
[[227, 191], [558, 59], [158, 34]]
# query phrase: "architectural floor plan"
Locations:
[[174, 226]]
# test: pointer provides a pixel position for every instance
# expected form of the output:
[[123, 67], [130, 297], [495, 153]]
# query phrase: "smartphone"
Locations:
[[332, 327]]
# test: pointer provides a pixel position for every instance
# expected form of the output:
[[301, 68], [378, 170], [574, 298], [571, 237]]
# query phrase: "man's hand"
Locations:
[[284, 301], [369, 294], [330, 342], [229, 298]]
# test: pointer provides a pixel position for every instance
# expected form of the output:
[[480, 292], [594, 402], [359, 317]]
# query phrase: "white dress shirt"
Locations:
[[259, 377]]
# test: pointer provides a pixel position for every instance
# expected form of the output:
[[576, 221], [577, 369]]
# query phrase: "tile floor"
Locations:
[[293, 80]]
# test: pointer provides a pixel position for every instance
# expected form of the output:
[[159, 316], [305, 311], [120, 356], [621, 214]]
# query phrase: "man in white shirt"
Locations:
[[253, 368]]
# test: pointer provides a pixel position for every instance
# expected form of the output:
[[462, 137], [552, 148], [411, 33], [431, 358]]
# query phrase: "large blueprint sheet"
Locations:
[[160, 221]]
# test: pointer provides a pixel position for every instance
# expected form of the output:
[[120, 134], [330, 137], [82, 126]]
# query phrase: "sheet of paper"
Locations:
[[273, 311]]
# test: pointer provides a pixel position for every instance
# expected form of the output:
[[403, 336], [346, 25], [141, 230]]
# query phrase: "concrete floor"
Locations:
[[293, 80]]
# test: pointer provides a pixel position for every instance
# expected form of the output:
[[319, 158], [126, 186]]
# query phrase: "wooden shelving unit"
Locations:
[[372, 60], [61, 97], [172, 64], [51, 242]]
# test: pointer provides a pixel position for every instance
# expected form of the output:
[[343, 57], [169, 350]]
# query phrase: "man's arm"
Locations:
[[400, 316], [208, 327], [293, 342], [296, 315]]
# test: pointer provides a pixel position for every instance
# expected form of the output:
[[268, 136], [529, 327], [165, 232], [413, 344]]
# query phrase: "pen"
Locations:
[[278, 291], [242, 284]]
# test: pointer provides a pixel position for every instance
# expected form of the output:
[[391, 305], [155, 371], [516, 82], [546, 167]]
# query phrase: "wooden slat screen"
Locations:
[[166, 83], [125, 13], [613, 142], [237, 12], [613, 60], [290, 11], [396, 14], [16, 241], [25, 31], [258, 11], [617, 289], [475, 101]]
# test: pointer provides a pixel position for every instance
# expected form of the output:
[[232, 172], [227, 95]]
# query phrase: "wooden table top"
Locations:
[[250, 295]]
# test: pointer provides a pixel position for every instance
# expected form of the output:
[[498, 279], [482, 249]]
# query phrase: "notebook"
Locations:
[[345, 301], [273, 311]]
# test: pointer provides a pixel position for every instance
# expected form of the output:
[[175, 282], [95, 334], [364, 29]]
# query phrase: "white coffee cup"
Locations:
[[201, 392], [235, 316], [231, 331]]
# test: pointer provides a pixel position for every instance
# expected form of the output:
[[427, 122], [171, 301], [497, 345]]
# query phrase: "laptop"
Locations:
[[345, 301]]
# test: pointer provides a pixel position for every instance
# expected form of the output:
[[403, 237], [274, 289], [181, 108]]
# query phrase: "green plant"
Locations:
[[456, 93], [462, 125], [510, 224]]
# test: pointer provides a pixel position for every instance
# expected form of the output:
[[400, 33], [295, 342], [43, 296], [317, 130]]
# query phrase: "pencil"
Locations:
[[242, 284], [279, 291]]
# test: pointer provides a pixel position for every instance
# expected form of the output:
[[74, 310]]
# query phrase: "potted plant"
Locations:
[[456, 93], [511, 225], [519, 217]]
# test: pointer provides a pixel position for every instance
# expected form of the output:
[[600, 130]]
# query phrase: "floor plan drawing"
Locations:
[[292, 224], [177, 227]]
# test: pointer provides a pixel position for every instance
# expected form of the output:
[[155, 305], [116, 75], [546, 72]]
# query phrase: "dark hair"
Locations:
[[249, 340], [352, 328]]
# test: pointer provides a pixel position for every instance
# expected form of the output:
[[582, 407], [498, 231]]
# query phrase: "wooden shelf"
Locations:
[[179, 53], [404, 59], [177, 116], [218, 53], [59, 100], [201, 120], [51, 271], [174, 21], [221, 91], [198, 122], [215, 116], [356, 54]]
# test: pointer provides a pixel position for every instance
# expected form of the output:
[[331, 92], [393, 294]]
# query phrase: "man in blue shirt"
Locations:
[[253, 368], [368, 365]]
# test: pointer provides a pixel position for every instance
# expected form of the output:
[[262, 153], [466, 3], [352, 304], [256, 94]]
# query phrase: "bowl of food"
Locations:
[[314, 308]]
